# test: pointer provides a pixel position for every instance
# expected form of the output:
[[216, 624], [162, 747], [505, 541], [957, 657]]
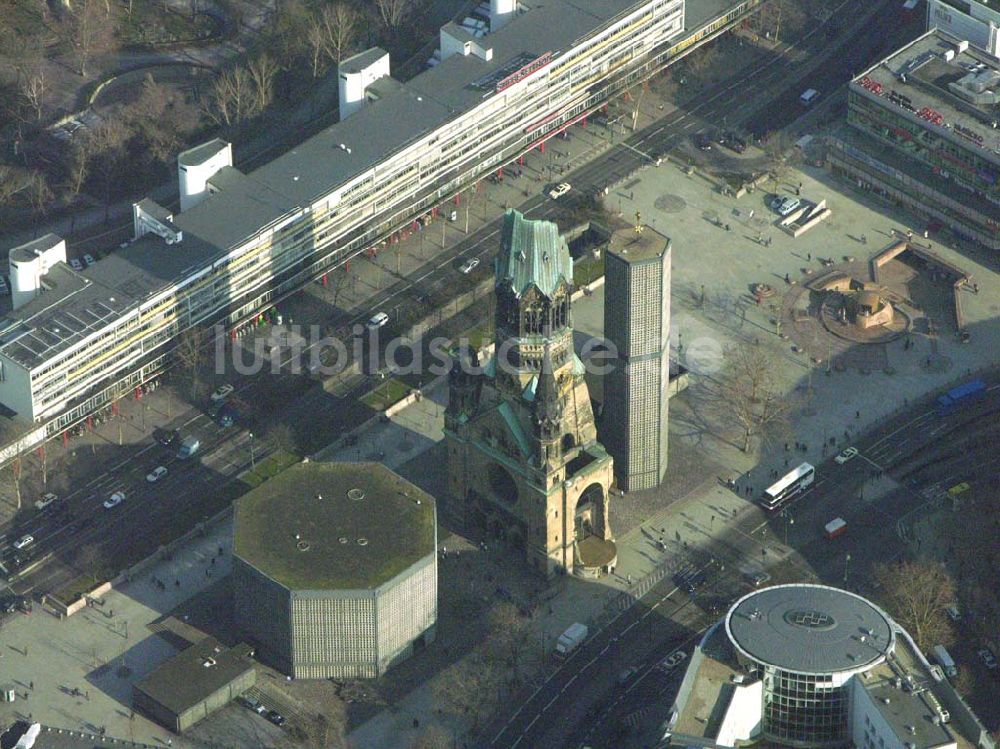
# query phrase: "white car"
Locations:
[[673, 660], [75, 264], [786, 205], [88, 259], [156, 474], [378, 320], [470, 265], [114, 500], [47, 499], [559, 190], [850, 452], [222, 393], [23, 542], [953, 613]]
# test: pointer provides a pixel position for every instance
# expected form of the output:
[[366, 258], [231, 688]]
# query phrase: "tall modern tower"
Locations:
[[637, 324]]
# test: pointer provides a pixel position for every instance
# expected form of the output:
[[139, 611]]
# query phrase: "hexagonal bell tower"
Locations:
[[523, 455]]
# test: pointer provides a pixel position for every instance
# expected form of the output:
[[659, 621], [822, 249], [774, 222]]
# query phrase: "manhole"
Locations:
[[670, 203], [356, 494], [302, 546]]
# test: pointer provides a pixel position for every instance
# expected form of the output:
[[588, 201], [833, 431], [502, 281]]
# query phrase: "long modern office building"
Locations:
[[816, 667], [923, 134], [401, 150]]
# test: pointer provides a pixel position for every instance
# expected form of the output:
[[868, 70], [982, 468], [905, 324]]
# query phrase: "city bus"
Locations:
[[787, 486]]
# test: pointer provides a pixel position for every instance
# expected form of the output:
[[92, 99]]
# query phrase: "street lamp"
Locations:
[[789, 520], [253, 464], [847, 562]]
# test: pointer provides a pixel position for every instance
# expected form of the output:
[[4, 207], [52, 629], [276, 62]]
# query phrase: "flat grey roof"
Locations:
[[812, 629], [198, 154], [928, 75], [183, 681], [70, 308], [360, 61], [29, 250], [905, 710], [334, 526]]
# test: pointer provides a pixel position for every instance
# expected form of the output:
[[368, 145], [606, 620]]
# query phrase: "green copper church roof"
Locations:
[[532, 253]]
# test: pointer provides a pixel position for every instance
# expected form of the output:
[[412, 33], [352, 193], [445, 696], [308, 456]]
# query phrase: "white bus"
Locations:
[[787, 486]]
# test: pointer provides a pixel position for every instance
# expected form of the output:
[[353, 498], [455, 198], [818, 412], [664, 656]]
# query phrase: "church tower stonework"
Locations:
[[523, 456]]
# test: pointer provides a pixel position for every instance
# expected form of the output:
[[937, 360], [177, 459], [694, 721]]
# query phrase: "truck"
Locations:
[[943, 657], [835, 527], [571, 639], [189, 447]]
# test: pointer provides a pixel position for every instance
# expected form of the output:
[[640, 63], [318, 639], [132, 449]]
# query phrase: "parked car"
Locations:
[[24, 542], [275, 717], [703, 141], [625, 674], [114, 500], [156, 474], [559, 190], [221, 393], [47, 499], [673, 660], [846, 455], [988, 658], [75, 264], [733, 142], [469, 265], [378, 320], [757, 579], [785, 204], [88, 259], [225, 417], [953, 613], [167, 437]]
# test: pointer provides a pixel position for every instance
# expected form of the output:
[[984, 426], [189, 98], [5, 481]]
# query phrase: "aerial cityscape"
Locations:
[[502, 374]]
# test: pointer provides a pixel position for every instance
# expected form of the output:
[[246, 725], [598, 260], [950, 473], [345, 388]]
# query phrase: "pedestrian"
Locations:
[[864, 239], [809, 257], [975, 288], [786, 462], [177, 583], [734, 512], [857, 414], [786, 447], [787, 279], [727, 227], [31, 686], [751, 213]]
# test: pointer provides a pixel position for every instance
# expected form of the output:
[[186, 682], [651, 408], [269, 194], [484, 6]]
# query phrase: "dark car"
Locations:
[[703, 142], [167, 437], [8, 605], [275, 717], [734, 142]]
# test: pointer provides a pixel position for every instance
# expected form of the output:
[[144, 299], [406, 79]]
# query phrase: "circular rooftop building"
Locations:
[[335, 569], [806, 642]]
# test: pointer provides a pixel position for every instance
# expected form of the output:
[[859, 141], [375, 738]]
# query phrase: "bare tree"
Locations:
[[262, 70], [106, 145], [89, 30], [33, 86], [282, 437], [77, 167], [331, 34], [190, 353], [749, 392], [232, 98], [393, 11], [89, 559], [15, 480], [915, 595], [470, 688], [509, 638], [39, 192], [12, 181]]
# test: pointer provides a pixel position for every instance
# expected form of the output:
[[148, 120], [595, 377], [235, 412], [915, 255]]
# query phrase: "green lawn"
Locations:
[[269, 468], [389, 392], [587, 270]]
